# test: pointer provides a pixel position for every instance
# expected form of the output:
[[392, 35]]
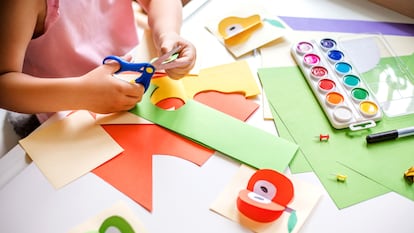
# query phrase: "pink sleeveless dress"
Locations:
[[78, 35]]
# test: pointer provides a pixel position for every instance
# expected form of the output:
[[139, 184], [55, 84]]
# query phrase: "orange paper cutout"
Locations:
[[232, 104], [131, 171]]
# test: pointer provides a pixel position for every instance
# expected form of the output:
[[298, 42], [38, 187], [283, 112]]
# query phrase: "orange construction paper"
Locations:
[[233, 104], [131, 171]]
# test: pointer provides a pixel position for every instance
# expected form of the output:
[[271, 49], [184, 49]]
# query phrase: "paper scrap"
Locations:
[[69, 148]]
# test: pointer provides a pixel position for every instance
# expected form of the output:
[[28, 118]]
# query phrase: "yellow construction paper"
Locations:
[[305, 198], [235, 77], [120, 209], [69, 148]]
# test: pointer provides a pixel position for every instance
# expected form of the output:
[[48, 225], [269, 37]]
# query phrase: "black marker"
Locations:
[[390, 135]]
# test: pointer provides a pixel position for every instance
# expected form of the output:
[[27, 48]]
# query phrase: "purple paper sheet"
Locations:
[[349, 26]]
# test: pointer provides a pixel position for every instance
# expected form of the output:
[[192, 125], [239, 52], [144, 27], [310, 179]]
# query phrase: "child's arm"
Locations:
[[97, 91], [164, 19]]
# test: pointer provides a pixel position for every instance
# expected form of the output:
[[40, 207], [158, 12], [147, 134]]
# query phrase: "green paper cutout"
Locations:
[[118, 222], [221, 132], [290, 96], [274, 22], [293, 219]]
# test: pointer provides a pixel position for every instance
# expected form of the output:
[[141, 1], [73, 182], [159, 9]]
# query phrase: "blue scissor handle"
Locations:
[[146, 69]]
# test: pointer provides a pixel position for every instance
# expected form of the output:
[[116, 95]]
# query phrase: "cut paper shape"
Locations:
[[243, 30], [235, 77], [170, 103], [236, 30], [233, 104], [117, 217], [304, 201], [69, 148], [114, 224], [266, 197], [222, 133], [232, 26], [131, 171]]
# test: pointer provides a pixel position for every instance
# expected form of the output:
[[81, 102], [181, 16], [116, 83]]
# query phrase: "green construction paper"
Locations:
[[298, 164], [386, 162], [293, 101], [221, 132]]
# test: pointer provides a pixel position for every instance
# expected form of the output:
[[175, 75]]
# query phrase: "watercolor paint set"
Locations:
[[337, 80]]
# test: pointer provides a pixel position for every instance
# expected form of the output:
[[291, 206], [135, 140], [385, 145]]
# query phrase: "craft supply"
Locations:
[[147, 70], [336, 84], [341, 178], [409, 175], [323, 137], [390, 135]]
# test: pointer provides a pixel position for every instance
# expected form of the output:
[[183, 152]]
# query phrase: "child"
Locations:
[[51, 52]]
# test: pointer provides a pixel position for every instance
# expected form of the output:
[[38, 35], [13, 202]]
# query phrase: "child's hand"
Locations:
[[102, 93], [187, 55]]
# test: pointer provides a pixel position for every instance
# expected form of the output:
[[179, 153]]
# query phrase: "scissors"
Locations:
[[147, 69]]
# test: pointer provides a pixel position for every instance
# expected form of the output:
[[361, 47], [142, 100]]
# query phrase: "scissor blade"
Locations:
[[165, 58]]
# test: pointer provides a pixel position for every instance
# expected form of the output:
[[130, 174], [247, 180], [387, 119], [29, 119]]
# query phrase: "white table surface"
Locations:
[[183, 192]]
